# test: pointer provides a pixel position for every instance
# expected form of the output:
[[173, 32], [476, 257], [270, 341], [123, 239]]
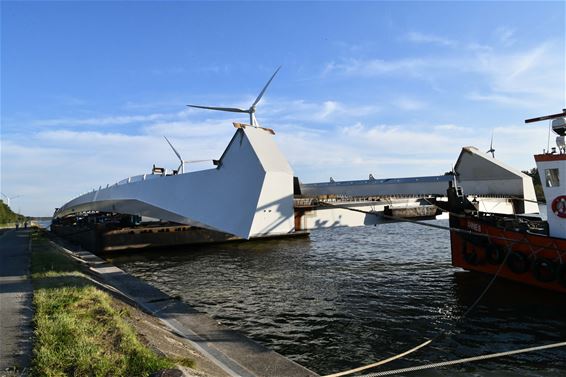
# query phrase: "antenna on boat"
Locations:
[[181, 167], [558, 125], [250, 111], [546, 117], [491, 150]]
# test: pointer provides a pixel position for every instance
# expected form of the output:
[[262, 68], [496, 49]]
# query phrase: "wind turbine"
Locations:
[[9, 198], [181, 167], [250, 111], [491, 150]]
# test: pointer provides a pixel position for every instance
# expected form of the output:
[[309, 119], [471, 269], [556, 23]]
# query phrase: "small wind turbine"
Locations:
[[181, 167], [251, 110], [491, 150]]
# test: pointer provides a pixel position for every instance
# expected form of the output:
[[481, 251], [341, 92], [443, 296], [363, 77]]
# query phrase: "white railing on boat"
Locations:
[[136, 178], [140, 178]]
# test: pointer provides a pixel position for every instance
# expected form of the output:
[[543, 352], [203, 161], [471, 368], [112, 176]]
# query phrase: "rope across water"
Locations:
[[466, 313], [466, 360]]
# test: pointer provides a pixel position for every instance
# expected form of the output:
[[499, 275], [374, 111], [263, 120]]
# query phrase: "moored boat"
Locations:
[[522, 248]]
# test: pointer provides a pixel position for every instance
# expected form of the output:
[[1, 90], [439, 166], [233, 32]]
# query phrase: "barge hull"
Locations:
[[99, 239]]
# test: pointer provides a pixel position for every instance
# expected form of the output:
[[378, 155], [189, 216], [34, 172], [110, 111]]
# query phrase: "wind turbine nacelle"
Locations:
[[559, 126]]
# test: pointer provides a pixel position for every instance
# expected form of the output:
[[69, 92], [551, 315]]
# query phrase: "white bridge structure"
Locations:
[[494, 185], [248, 194], [251, 191], [251, 194]]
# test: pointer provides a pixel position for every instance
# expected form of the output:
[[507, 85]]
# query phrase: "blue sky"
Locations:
[[395, 89]]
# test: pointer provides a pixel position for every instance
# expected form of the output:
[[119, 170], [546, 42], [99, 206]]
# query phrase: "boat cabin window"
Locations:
[[552, 177]]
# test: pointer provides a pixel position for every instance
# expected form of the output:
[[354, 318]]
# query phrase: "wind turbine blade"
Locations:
[[174, 150], [193, 161], [229, 109], [264, 88], [491, 144]]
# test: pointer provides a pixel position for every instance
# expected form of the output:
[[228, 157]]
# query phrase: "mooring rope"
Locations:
[[465, 360], [526, 200], [385, 361], [419, 222], [464, 315], [427, 342]]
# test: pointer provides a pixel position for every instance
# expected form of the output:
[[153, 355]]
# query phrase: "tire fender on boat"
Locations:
[[544, 270], [472, 254], [494, 254], [518, 262]]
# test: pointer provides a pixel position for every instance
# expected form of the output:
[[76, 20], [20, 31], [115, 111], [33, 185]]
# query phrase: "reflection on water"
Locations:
[[350, 296], [44, 223]]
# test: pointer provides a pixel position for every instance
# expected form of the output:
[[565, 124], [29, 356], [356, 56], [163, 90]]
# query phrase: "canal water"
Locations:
[[347, 297]]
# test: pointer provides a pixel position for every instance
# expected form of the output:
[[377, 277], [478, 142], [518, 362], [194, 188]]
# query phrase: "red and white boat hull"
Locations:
[[533, 259]]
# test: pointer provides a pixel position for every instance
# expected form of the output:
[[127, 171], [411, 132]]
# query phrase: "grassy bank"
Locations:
[[7, 216], [79, 329]]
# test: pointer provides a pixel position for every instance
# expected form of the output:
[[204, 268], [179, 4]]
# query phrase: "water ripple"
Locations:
[[348, 297]]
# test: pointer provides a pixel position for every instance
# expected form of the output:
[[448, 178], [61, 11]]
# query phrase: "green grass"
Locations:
[[78, 330], [47, 261]]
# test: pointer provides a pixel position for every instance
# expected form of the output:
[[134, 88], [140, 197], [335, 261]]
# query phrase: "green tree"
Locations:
[[533, 173]]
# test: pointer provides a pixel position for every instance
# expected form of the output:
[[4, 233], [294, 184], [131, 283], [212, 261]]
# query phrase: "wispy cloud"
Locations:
[[111, 120], [376, 67], [409, 104], [533, 78], [523, 77], [502, 99], [99, 121], [451, 127], [93, 158], [329, 137], [418, 37], [333, 111], [505, 35]]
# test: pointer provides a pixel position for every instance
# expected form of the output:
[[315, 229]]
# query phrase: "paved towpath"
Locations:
[[15, 303]]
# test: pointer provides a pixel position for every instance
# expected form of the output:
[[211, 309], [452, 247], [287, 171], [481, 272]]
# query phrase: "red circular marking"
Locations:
[[559, 206]]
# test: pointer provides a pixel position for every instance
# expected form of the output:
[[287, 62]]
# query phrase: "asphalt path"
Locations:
[[16, 308]]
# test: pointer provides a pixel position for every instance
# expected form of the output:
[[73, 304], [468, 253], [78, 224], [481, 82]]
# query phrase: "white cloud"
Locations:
[[418, 37], [410, 104], [49, 168], [502, 99], [532, 77], [505, 35], [67, 163], [352, 152], [329, 111], [188, 129], [451, 127], [376, 67], [113, 120]]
